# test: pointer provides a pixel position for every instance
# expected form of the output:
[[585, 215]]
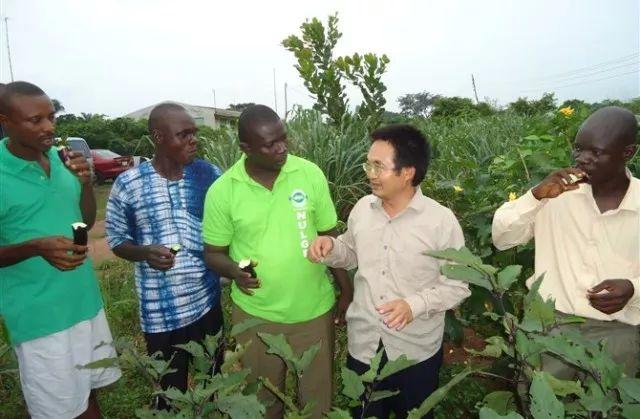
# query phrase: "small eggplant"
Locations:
[[80, 236], [63, 153], [246, 265], [174, 249]]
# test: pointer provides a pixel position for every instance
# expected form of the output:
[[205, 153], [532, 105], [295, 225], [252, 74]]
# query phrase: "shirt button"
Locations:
[[385, 247], [382, 297], [382, 272]]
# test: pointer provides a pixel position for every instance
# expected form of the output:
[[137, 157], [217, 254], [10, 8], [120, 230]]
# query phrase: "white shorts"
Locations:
[[52, 385]]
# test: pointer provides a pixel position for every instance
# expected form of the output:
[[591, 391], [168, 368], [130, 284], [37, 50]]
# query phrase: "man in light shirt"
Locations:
[[586, 223], [400, 296]]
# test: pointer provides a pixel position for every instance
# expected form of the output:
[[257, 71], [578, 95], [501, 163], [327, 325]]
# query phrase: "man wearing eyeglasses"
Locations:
[[400, 297]]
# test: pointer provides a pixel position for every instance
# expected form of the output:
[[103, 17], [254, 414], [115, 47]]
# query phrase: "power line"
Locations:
[[6, 29], [618, 60], [586, 81]]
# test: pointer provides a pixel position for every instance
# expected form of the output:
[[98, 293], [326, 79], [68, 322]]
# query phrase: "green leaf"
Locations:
[[246, 325], [488, 413], [429, 403], [101, 363], [174, 394], [193, 348], [630, 387], [466, 274], [508, 276], [563, 388], [501, 402], [338, 414], [544, 404], [570, 320], [352, 386], [241, 406], [630, 411], [279, 346], [539, 315], [372, 372], [462, 256], [494, 348], [307, 357], [392, 367], [382, 394]]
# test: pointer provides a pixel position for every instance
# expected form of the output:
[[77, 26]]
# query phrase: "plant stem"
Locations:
[[276, 392]]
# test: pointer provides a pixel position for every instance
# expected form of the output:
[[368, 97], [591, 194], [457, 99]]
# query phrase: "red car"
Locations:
[[108, 165]]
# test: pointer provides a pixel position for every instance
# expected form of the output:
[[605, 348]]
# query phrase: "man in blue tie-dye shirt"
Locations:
[[151, 208]]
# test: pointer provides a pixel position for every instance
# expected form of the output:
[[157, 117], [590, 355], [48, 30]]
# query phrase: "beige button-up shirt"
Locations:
[[577, 247], [391, 265]]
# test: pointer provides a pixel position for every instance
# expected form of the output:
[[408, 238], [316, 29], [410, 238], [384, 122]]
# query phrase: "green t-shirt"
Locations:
[[275, 228], [37, 299]]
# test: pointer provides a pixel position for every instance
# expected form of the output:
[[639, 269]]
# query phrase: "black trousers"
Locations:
[[209, 324], [415, 384]]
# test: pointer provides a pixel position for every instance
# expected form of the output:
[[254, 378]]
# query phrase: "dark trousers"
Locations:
[[415, 384], [209, 324]]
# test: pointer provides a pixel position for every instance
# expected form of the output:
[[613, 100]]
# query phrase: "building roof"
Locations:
[[193, 110]]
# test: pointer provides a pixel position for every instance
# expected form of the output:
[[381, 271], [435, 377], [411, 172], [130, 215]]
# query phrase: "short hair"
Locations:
[[17, 88], [412, 148], [615, 121], [159, 112], [253, 116]]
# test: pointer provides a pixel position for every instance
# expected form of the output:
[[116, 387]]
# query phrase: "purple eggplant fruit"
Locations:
[[247, 266]]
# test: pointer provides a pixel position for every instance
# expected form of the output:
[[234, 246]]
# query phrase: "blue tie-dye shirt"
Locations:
[[145, 208]]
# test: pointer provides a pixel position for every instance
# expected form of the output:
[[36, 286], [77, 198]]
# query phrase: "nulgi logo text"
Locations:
[[299, 202]]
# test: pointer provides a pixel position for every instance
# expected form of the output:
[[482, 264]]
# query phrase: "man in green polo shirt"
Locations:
[[49, 296], [268, 207]]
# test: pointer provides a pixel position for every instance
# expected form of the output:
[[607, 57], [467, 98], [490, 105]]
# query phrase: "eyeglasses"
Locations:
[[373, 169]]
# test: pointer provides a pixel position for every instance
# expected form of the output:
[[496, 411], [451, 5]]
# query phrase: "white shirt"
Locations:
[[577, 246], [391, 265]]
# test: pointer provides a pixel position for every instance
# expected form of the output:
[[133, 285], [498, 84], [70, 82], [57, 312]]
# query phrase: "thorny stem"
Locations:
[[276, 392]]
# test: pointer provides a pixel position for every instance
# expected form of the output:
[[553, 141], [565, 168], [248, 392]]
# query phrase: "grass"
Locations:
[[102, 194]]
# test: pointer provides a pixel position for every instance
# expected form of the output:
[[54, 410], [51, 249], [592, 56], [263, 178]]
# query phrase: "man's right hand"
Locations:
[[159, 257], [558, 183], [319, 249], [244, 281], [60, 252]]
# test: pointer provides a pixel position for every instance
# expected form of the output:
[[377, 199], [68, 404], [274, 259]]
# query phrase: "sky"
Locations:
[[116, 56]]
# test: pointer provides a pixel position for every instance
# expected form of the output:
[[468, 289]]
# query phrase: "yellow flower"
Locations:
[[567, 112], [513, 196], [457, 189]]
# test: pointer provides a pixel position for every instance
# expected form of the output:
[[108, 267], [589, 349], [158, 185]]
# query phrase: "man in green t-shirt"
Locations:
[[49, 295], [268, 207]]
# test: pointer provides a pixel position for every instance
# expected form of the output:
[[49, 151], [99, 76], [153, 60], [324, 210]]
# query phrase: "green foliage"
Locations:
[[525, 107], [324, 76], [417, 104], [459, 107], [529, 332]]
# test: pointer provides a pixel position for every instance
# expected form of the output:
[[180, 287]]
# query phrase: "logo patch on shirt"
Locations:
[[299, 200]]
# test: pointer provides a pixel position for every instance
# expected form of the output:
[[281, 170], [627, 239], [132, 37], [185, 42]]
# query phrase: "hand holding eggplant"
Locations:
[[559, 182], [79, 166], [61, 252], [246, 277], [159, 257]]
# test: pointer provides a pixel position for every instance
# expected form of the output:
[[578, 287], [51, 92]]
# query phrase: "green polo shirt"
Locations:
[[275, 228], [37, 299]]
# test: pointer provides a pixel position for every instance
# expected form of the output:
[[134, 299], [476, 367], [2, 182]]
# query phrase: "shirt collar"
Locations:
[[239, 172], [417, 202], [631, 200], [14, 163]]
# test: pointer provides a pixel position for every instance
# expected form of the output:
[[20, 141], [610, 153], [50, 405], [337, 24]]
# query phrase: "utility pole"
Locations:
[[275, 94], [475, 91], [6, 29], [286, 107], [214, 99]]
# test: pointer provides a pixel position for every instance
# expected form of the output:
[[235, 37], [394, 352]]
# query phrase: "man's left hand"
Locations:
[[397, 314], [611, 296], [341, 308], [79, 166]]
